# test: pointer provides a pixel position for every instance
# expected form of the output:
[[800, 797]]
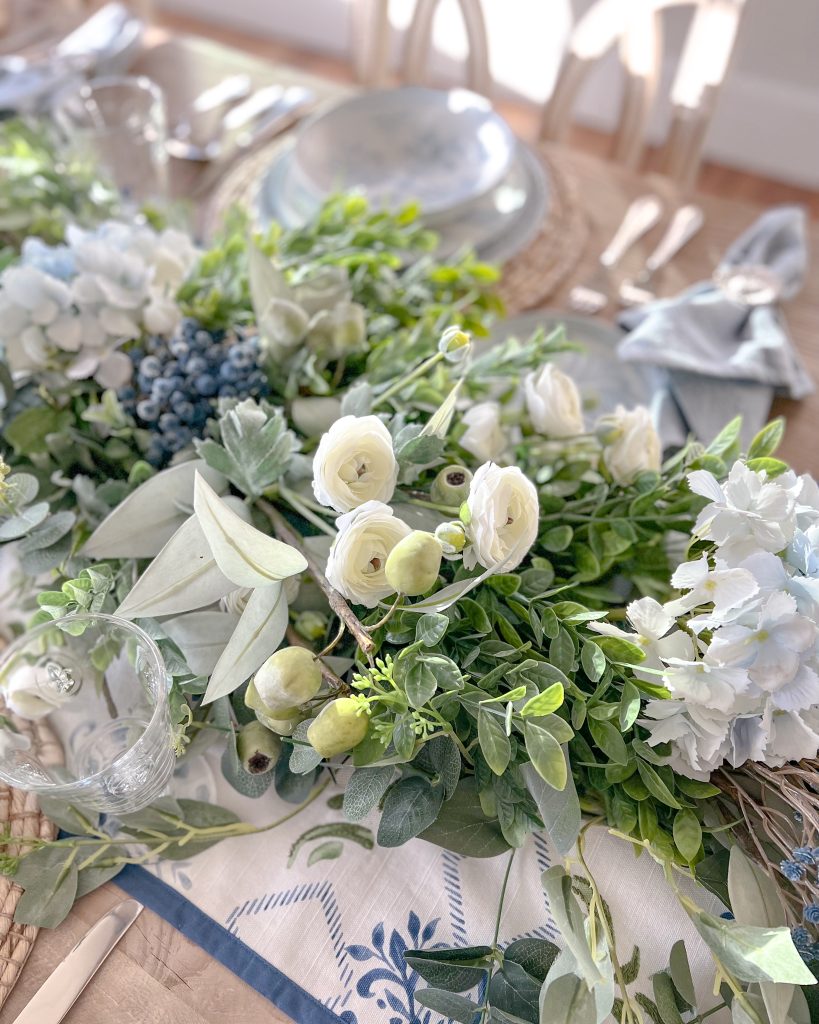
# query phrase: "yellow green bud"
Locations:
[[413, 565], [451, 485], [455, 344], [451, 537], [340, 726], [311, 625], [288, 678], [258, 748]]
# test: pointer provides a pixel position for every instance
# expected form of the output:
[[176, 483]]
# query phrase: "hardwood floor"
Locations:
[[715, 179]]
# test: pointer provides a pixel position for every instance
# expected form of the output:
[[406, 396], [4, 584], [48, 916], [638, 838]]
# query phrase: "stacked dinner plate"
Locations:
[[450, 151]]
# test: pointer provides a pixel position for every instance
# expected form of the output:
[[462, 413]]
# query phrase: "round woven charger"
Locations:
[[20, 815], [528, 280]]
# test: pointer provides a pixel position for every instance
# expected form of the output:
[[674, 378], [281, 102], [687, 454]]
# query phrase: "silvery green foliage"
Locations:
[[44, 540], [254, 447]]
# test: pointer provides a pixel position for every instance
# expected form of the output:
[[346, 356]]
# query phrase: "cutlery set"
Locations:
[[643, 214]]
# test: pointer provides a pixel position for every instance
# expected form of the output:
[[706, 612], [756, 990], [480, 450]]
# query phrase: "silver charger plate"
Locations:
[[497, 225], [604, 380]]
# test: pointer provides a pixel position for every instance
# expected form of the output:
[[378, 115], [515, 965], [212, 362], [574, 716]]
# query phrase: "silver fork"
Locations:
[[685, 223], [640, 217]]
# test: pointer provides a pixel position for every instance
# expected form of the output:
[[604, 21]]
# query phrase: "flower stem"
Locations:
[[296, 503], [285, 532], [502, 897], [400, 384]]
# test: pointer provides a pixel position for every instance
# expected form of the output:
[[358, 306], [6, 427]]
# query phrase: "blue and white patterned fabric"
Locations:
[[323, 938]]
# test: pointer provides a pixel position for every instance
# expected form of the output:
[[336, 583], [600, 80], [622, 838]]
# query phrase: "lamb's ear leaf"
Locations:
[[244, 554], [259, 632], [183, 576], [145, 521]]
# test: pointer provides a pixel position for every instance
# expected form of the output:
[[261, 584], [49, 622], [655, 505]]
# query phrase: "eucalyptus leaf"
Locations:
[[411, 806], [455, 970], [259, 633], [142, 524], [559, 809], [364, 790], [455, 1007], [246, 556], [568, 1000], [680, 970], [570, 920], [515, 992], [183, 576], [464, 828]]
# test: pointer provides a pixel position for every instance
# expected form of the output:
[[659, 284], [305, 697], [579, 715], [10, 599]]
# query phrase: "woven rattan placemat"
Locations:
[[529, 279], [19, 816]]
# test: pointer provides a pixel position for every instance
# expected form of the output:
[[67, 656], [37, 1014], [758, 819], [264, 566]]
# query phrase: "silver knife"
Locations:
[[60, 991]]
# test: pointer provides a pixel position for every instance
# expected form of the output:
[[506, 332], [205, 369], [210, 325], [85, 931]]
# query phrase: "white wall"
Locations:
[[767, 119]]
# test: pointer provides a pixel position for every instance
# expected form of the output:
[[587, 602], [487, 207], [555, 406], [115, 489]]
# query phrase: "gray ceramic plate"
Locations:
[[442, 148], [497, 225], [604, 380]]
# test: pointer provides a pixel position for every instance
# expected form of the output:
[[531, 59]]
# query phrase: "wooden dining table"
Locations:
[[156, 975]]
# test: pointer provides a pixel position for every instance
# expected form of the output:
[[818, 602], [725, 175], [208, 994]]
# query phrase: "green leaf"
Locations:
[[411, 806], [544, 703], [608, 738], [92, 878], [29, 431], [513, 991], [478, 619], [568, 1000], [593, 660], [455, 1007], [656, 786], [752, 953], [77, 821], [446, 760], [681, 973], [629, 706], [559, 810], [561, 651], [464, 828], [493, 741], [50, 878], [420, 683], [570, 920], [455, 970], [727, 439], [620, 651], [696, 789], [687, 832], [768, 439], [773, 467], [364, 790], [546, 755], [335, 830], [664, 998], [430, 629], [557, 539], [535, 956]]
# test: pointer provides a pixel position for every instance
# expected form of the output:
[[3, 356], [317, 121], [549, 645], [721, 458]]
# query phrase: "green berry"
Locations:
[[414, 563], [258, 748], [255, 703], [451, 485], [340, 726], [288, 678]]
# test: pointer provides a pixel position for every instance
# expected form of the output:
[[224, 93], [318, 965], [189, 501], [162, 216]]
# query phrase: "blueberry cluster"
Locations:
[[798, 869], [178, 381]]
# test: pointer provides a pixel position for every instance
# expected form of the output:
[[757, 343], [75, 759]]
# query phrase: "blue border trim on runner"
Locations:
[[244, 962]]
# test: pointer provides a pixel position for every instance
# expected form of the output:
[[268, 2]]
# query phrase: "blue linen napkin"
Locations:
[[723, 358]]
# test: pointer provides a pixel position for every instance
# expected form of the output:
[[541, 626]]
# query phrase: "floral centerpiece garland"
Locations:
[[486, 618]]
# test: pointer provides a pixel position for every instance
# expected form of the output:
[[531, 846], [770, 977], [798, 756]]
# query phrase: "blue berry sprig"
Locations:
[[178, 382], [800, 869]]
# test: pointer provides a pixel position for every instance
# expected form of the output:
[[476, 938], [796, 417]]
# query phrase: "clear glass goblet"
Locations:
[[119, 123], [84, 714]]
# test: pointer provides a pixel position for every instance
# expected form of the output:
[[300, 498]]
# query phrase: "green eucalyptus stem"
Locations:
[[408, 378], [449, 510], [484, 1009]]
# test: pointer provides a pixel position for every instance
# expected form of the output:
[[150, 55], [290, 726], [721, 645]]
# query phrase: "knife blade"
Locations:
[[55, 997]]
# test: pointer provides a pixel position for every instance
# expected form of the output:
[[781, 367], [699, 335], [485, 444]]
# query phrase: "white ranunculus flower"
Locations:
[[632, 444], [484, 437], [366, 536], [553, 402], [503, 513], [354, 463], [27, 697]]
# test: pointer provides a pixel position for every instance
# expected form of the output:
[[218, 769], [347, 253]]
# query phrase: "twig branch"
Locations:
[[327, 674], [286, 533]]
